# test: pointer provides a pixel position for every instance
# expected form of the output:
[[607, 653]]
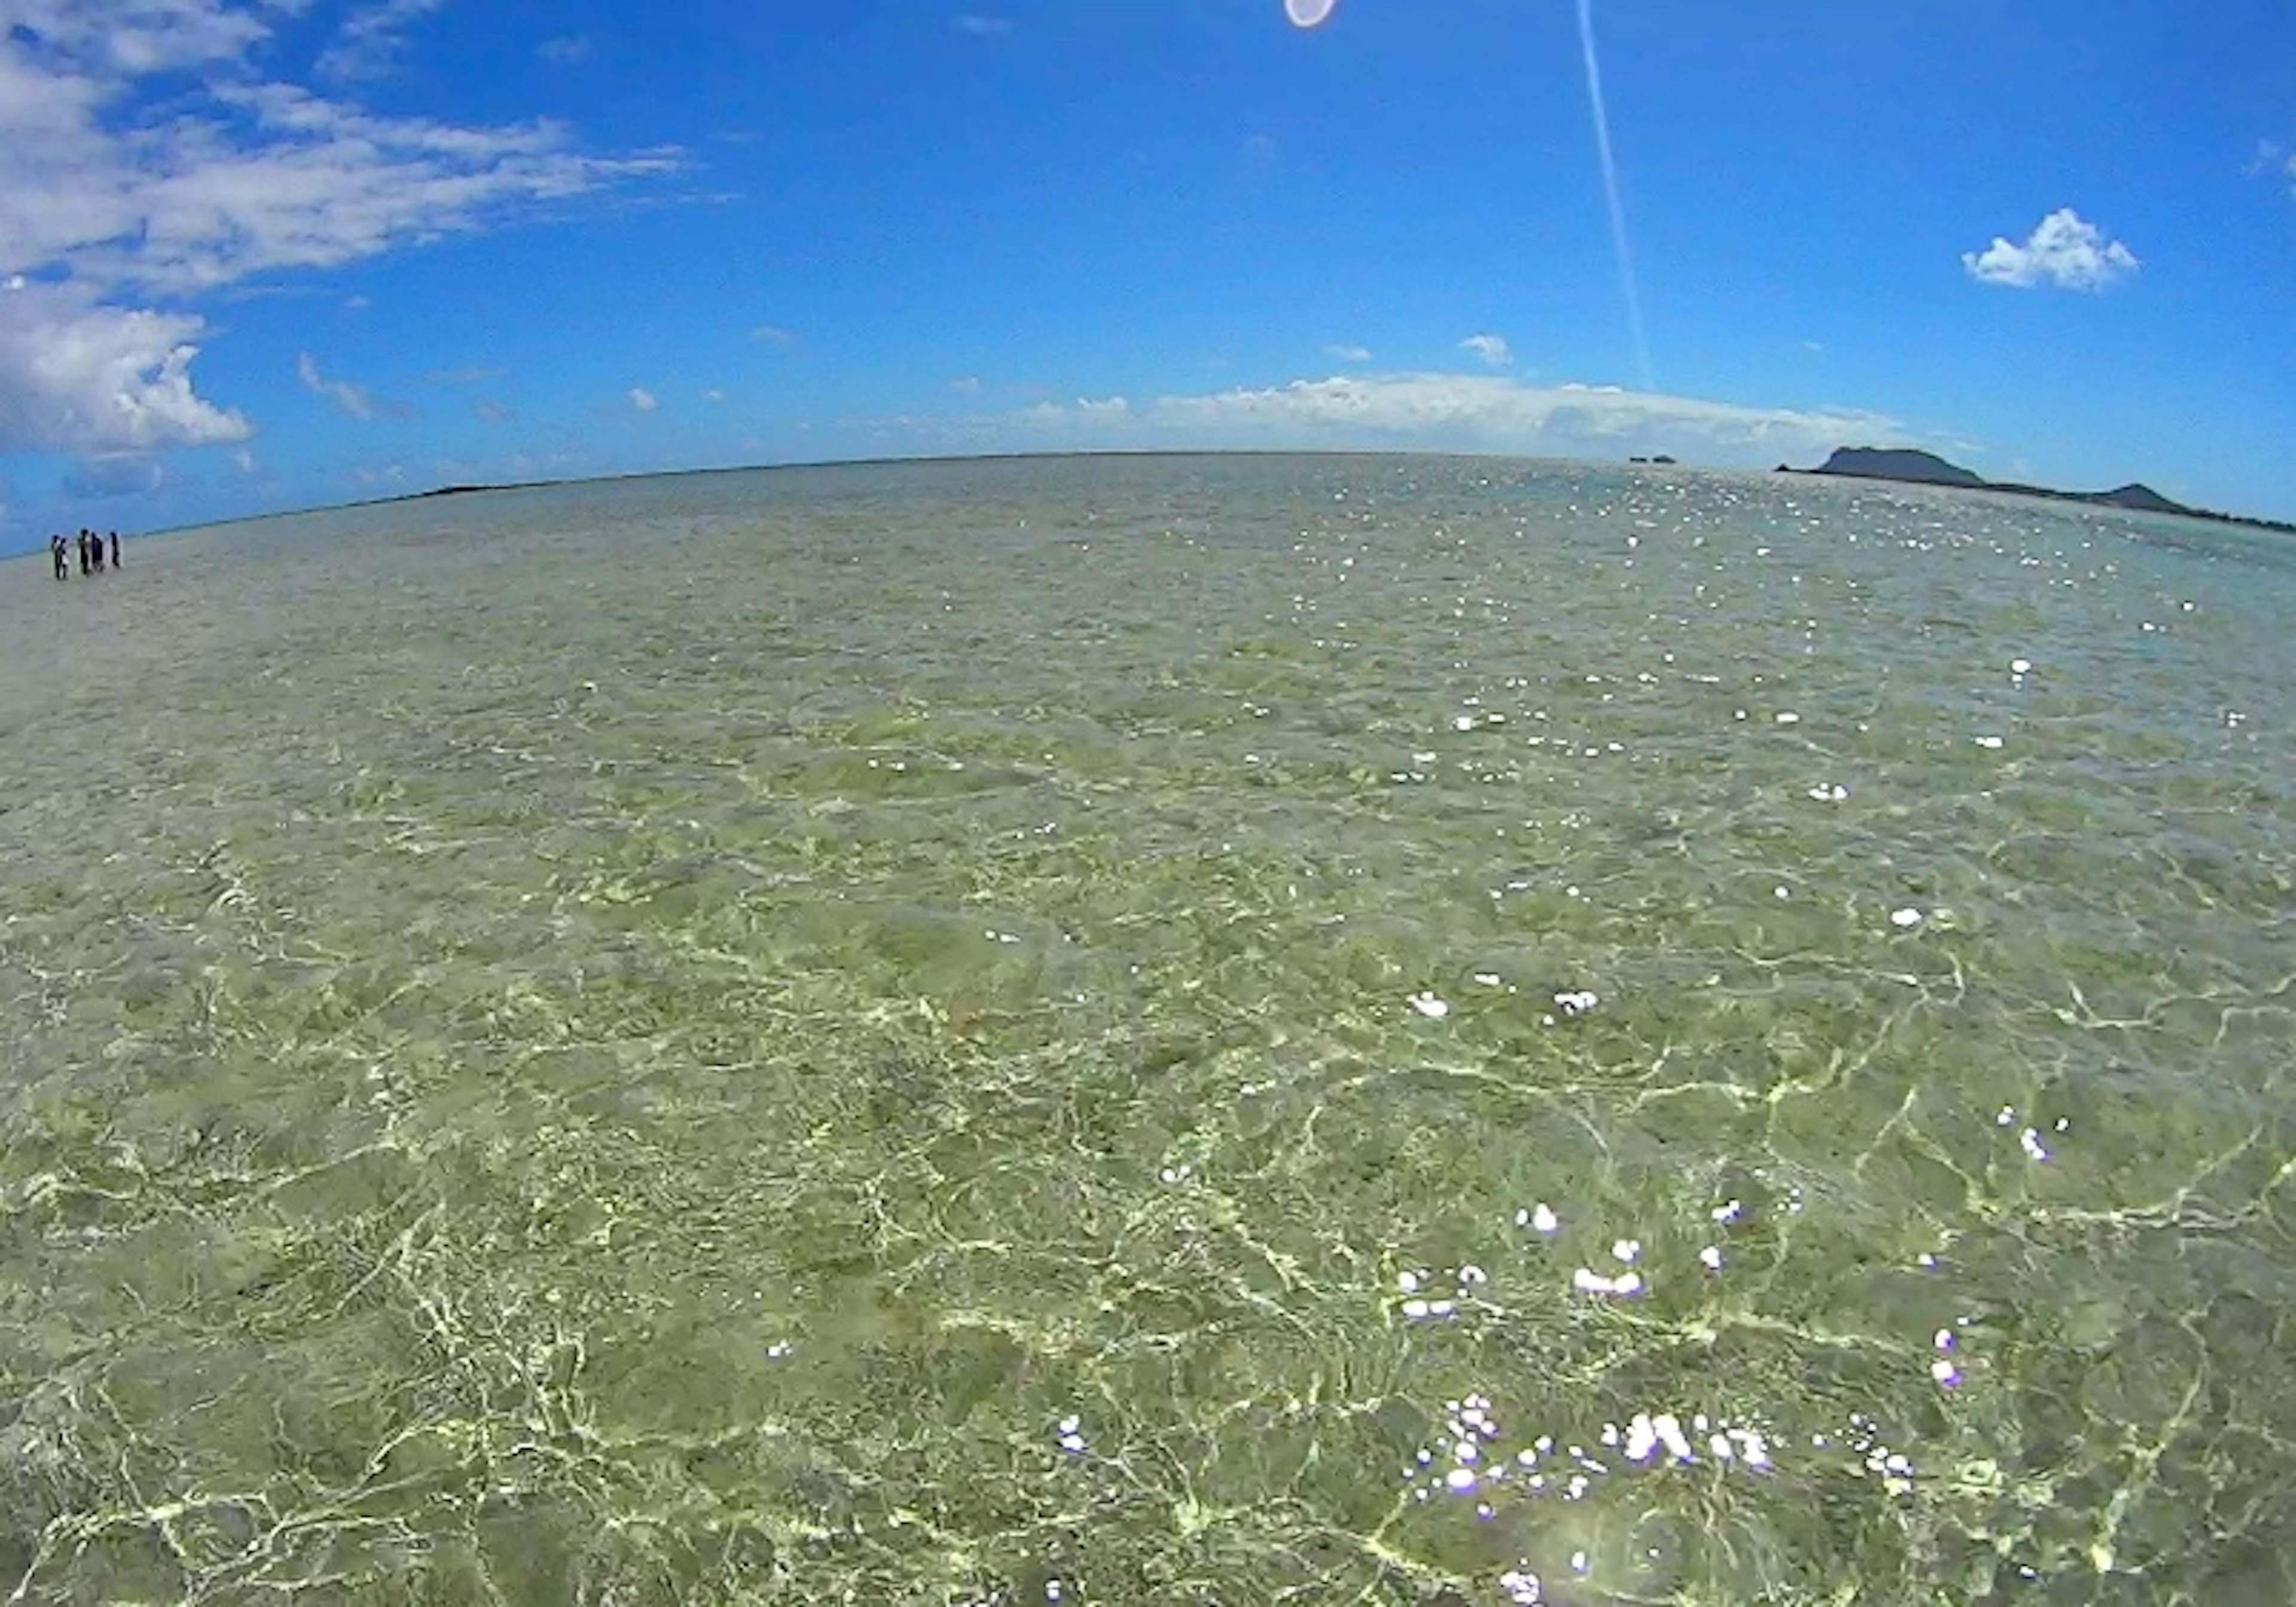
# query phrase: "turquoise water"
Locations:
[[1171, 1029]]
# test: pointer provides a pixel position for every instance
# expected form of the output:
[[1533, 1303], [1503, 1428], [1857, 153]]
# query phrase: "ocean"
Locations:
[[1181, 1029]]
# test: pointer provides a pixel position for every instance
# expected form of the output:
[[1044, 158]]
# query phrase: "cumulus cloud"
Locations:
[[2064, 250], [1350, 354], [1469, 412], [1491, 348], [351, 399], [79, 377], [713, 395], [643, 399], [145, 160]]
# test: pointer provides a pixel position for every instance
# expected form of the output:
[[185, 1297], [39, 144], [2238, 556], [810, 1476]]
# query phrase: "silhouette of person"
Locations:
[[56, 555], [83, 553], [115, 549]]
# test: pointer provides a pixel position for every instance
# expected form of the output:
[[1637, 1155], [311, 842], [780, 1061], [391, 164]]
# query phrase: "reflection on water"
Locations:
[[1152, 1030]]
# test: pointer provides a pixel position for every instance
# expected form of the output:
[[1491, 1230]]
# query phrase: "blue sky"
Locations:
[[263, 256]]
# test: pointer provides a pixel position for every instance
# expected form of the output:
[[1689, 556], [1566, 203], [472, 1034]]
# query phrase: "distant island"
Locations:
[[1927, 469]]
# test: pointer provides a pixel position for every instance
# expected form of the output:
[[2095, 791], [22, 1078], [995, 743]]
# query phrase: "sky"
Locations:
[[258, 255]]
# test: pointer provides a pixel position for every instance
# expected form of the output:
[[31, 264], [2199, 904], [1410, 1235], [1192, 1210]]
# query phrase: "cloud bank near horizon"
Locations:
[[1467, 413]]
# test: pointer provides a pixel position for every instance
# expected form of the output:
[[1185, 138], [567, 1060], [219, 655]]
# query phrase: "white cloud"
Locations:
[[643, 399], [147, 37], [370, 40], [1308, 13], [1491, 348], [355, 304], [465, 376], [767, 334], [1469, 412], [564, 50], [965, 384], [2064, 250], [1349, 354], [77, 377], [351, 399], [489, 413], [713, 395], [981, 27], [123, 193]]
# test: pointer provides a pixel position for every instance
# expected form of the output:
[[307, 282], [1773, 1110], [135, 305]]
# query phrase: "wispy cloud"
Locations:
[[368, 43], [1349, 354], [713, 395], [1491, 348], [643, 399], [100, 478], [465, 376], [767, 334], [2064, 250], [147, 161], [351, 399], [1471, 412], [565, 50], [981, 25], [965, 384], [491, 413]]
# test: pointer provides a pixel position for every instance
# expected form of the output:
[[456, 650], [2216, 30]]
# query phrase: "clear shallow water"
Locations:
[[990, 1033]]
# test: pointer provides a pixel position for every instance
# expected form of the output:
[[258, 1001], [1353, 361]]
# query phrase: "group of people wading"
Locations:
[[91, 553]]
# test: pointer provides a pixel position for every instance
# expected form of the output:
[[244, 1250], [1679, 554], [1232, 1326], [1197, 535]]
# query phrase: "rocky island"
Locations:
[[1927, 469]]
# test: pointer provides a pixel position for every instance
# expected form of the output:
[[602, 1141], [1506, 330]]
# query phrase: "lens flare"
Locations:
[[1611, 195]]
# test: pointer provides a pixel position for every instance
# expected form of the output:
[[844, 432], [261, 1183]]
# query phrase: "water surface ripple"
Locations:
[[1168, 1030]]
